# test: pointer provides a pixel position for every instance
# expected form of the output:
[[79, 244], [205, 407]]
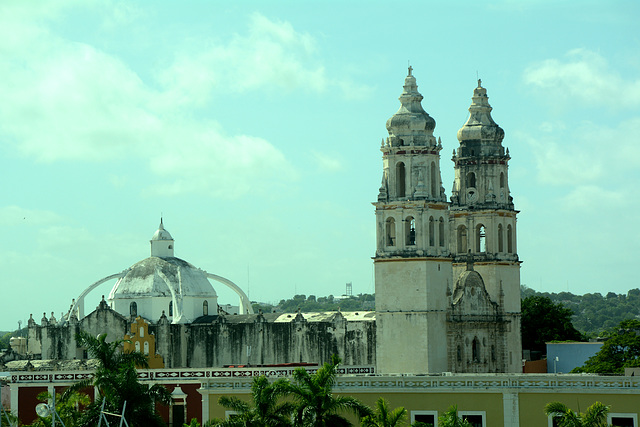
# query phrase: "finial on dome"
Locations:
[[410, 69], [479, 82]]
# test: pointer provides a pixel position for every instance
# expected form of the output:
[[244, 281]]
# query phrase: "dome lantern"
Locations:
[[162, 242]]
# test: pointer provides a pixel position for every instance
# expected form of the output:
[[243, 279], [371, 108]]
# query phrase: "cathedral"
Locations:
[[447, 282]]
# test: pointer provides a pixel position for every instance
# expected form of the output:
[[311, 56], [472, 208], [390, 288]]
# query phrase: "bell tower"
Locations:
[[483, 217], [413, 267]]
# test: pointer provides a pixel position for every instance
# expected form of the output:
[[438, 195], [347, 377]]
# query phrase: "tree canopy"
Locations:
[[544, 321], [621, 350], [594, 416]]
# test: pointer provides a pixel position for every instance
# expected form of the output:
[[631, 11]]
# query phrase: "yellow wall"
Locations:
[[531, 405]]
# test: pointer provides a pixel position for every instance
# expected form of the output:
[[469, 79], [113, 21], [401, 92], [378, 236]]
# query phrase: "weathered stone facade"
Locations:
[[222, 340]]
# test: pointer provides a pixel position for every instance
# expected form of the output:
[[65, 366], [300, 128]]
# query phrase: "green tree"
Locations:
[[621, 350], [544, 321], [265, 408], [68, 407], [316, 406], [383, 417], [450, 419], [594, 416], [116, 379]]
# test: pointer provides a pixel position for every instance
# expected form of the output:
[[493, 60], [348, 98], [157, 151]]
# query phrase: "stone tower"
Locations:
[[413, 266], [483, 222]]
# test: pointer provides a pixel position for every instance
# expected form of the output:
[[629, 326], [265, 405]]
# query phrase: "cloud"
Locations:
[[583, 76], [70, 101], [592, 198], [326, 162], [586, 153]]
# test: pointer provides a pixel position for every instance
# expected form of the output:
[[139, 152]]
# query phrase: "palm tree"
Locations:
[[264, 410], [382, 417], [451, 419], [316, 404], [594, 416], [116, 379], [67, 408]]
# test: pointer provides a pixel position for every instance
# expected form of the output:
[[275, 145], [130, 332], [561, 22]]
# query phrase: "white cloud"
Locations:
[[326, 162], [583, 76], [592, 198], [65, 100]]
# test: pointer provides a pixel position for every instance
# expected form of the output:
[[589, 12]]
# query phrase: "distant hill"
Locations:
[[595, 313], [592, 313]]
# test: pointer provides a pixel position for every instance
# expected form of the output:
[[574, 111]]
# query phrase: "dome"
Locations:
[[162, 277], [161, 233], [411, 124], [480, 127]]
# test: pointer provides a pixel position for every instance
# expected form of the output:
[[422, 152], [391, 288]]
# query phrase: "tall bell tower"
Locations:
[[483, 217], [413, 267]]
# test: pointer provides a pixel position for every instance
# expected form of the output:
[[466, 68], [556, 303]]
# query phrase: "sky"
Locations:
[[253, 128]]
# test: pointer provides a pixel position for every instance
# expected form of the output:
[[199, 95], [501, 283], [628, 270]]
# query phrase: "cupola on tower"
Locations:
[[412, 261]]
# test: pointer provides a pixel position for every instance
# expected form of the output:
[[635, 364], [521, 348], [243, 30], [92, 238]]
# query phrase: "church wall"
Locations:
[[251, 342], [494, 274]]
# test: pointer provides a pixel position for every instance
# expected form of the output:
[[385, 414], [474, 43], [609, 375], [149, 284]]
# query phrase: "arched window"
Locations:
[[205, 308], [400, 180], [141, 332], [431, 232], [509, 239], [390, 235], [475, 348], [433, 179], [459, 353], [146, 347], [493, 353], [410, 231], [133, 309], [500, 238], [441, 232], [501, 179], [481, 239], [170, 308], [137, 345], [471, 180], [462, 239]]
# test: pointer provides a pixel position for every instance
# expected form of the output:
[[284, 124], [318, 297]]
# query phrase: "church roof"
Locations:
[[161, 233], [158, 277]]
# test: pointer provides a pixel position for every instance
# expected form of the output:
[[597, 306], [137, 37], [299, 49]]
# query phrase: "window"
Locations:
[[462, 239], [475, 349], [441, 232], [622, 420], [500, 239], [137, 345], [229, 415], [553, 420], [481, 239], [400, 179], [475, 418], [501, 179], [431, 232], [133, 309], [146, 348], [428, 417], [509, 239], [170, 308], [141, 332], [390, 232], [410, 231], [433, 179], [471, 180], [205, 308], [459, 352]]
